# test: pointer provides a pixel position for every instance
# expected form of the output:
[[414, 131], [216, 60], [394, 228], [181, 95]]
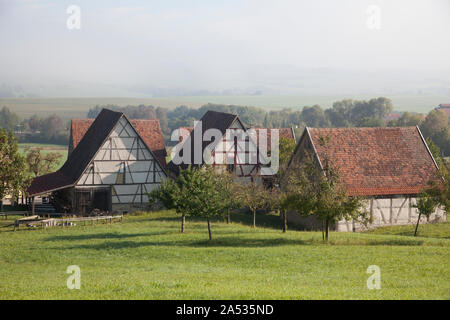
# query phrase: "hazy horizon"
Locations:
[[158, 48]]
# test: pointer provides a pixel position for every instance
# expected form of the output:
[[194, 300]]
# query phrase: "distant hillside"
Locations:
[[69, 108]]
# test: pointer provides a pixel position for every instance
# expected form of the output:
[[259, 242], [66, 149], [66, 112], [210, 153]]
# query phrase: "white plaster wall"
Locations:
[[391, 211]]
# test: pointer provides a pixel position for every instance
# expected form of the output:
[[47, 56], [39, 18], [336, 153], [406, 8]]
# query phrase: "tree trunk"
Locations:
[[1, 205], [326, 229], [209, 229], [32, 206], [323, 231], [417, 225], [183, 222], [228, 216], [284, 220], [254, 218]]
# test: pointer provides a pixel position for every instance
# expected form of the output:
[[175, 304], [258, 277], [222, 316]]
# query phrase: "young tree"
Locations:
[[426, 204], [230, 193], [39, 163], [13, 176], [255, 197], [311, 190], [201, 194], [287, 147], [276, 201], [168, 193], [195, 192]]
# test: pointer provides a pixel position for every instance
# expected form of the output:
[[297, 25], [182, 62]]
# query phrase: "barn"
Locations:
[[112, 163], [234, 151], [388, 167]]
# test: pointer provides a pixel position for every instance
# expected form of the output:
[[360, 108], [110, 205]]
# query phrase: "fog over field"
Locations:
[[225, 48]]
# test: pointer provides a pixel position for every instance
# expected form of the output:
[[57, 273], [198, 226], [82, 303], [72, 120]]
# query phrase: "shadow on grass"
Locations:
[[221, 242], [263, 220], [409, 233], [226, 242], [105, 236]]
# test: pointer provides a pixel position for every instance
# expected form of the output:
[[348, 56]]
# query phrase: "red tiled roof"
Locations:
[[148, 129], [378, 161]]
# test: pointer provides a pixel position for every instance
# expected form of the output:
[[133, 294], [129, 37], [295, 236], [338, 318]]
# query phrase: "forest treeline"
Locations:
[[344, 113]]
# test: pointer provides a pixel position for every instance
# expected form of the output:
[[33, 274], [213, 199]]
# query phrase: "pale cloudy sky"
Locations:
[[217, 45]]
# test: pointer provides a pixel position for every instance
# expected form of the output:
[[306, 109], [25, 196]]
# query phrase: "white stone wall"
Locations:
[[391, 211]]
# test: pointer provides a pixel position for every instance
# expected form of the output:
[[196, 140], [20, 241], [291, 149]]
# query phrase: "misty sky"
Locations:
[[217, 45]]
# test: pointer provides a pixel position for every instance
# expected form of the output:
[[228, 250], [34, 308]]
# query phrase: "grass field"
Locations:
[[145, 257], [69, 108], [438, 230], [46, 148]]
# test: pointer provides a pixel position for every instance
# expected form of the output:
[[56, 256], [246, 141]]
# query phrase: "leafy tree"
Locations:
[[407, 119], [435, 121], [374, 108], [255, 197], [369, 122], [347, 113], [339, 114], [314, 117], [34, 123], [439, 188], [311, 190], [163, 120], [195, 192], [287, 147], [426, 204], [13, 176], [230, 193], [8, 119], [168, 193], [201, 194], [39, 163], [436, 126], [435, 150]]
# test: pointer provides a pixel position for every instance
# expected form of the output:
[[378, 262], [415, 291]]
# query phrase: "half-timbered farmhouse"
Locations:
[[386, 166], [112, 163], [234, 151]]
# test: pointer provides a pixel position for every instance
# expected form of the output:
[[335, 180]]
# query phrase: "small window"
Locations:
[[121, 174]]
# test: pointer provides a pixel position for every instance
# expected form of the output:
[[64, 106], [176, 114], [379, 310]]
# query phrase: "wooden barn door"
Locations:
[[101, 199], [82, 201]]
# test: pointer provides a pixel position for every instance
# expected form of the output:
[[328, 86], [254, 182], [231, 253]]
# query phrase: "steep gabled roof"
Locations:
[[81, 155], [218, 120], [148, 129], [377, 161]]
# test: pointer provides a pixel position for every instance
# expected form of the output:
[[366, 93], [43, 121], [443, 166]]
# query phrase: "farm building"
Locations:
[[113, 162], [386, 166], [237, 146]]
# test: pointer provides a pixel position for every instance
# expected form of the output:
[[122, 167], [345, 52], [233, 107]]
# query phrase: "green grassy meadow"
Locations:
[[146, 257], [46, 148]]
